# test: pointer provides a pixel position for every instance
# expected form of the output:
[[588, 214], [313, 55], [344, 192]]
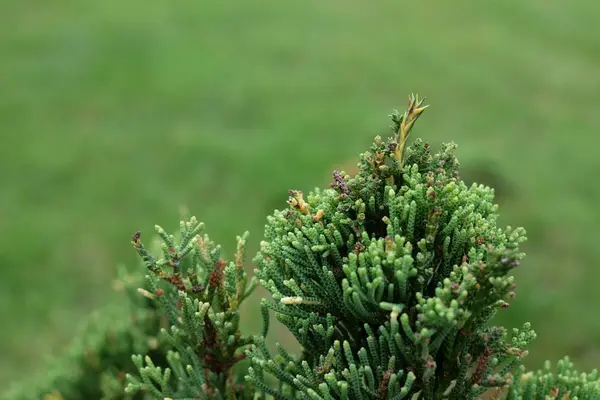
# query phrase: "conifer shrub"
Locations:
[[388, 279]]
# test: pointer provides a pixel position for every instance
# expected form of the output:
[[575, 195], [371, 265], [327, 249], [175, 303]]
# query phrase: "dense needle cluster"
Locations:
[[388, 278]]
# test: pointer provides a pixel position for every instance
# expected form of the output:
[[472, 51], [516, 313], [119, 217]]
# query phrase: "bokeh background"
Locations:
[[115, 115]]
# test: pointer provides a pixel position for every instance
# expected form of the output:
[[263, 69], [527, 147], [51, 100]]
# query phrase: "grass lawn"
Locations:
[[115, 114]]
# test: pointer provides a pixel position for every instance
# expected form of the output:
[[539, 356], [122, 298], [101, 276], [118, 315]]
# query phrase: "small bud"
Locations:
[[153, 343], [502, 304], [317, 217], [296, 200], [291, 300], [136, 236], [146, 293]]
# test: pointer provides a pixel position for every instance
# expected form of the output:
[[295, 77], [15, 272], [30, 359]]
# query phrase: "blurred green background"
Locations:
[[115, 114]]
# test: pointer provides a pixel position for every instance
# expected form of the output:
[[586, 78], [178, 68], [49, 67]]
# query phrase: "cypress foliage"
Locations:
[[201, 294], [388, 279]]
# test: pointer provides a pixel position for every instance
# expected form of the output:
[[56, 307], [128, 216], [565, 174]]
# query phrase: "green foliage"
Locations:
[[115, 113], [566, 383], [201, 295], [388, 279]]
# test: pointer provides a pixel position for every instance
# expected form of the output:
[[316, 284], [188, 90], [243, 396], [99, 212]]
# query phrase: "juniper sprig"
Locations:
[[201, 294], [566, 383]]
